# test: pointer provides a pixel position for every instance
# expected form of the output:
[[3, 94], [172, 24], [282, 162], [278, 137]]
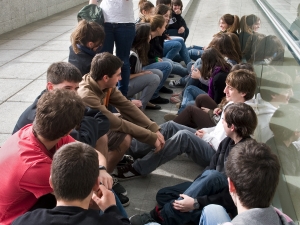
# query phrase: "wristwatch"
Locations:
[[102, 167], [196, 204]]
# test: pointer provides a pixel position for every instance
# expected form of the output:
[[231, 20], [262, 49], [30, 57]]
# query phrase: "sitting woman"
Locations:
[[248, 24], [175, 46], [224, 43], [144, 81], [213, 72], [177, 25], [228, 24], [146, 10]]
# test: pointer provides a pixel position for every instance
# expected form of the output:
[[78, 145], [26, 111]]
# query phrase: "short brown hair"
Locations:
[[58, 112], [274, 82], [74, 171], [87, 31], [104, 64], [161, 9], [254, 171], [59, 72], [243, 117], [244, 81]]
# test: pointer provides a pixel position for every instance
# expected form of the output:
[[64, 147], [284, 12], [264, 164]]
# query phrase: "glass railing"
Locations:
[[275, 54]]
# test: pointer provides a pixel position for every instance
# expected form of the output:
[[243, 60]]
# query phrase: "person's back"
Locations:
[[74, 178], [27, 155]]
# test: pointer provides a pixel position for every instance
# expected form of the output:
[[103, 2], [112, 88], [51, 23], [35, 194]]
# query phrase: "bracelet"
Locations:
[[102, 167]]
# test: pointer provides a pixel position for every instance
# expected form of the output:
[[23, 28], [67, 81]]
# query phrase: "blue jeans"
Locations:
[[213, 215], [165, 68], [174, 32], [190, 94], [171, 49], [209, 183], [178, 69], [195, 52], [121, 34], [119, 206], [183, 53]]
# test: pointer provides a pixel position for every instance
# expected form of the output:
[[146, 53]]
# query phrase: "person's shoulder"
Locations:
[[38, 216]]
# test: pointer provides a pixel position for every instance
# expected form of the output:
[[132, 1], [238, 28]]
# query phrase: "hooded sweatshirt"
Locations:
[[259, 216]]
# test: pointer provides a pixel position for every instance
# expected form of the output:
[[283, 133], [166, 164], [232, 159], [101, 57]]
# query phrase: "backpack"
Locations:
[[91, 13]]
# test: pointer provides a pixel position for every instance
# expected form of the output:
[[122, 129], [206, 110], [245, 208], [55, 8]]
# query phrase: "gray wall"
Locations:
[[14, 14]]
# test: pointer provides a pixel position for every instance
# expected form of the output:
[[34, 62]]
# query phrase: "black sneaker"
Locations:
[[159, 100], [166, 90], [126, 172], [127, 159], [141, 219], [118, 188], [123, 199]]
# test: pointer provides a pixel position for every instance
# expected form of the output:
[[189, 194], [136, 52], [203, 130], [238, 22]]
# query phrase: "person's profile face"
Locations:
[[233, 95], [167, 16], [256, 26], [112, 81], [223, 25]]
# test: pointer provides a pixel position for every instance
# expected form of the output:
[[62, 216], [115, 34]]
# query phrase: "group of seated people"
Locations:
[[86, 131]]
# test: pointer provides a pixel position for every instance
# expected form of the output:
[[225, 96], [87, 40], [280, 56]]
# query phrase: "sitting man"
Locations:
[[253, 173], [94, 125], [75, 181], [98, 89], [26, 156], [211, 186], [200, 145]]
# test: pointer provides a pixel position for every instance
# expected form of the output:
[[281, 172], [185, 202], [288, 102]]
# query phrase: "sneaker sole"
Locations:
[[130, 178], [126, 204]]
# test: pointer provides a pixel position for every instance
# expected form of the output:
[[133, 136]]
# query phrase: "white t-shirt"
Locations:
[[118, 11]]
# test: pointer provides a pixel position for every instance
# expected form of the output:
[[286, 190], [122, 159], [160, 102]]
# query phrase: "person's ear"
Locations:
[[231, 186], [105, 78], [50, 182], [96, 185], [90, 45], [232, 127], [49, 86]]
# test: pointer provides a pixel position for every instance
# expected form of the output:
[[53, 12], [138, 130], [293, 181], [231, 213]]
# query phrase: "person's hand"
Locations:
[[196, 74], [168, 37], [147, 72], [181, 30], [200, 133], [138, 103], [104, 198], [184, 205], [105, 179], [217, 111], [205, 109], [159, 59], [177, 11], [160, 142]]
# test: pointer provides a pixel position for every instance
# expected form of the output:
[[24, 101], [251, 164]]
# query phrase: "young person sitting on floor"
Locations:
[[26, 156], [182, 139], [75, 181], [253, 174], [98, 89], [184, 202]]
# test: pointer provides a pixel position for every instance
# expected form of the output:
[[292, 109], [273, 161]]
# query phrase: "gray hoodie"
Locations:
[[262, 216]]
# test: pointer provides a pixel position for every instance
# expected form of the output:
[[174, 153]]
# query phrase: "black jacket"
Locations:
[[156, 49], [93, 125], [72, 215], [178, 21], [217, 162], [81, 60]]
